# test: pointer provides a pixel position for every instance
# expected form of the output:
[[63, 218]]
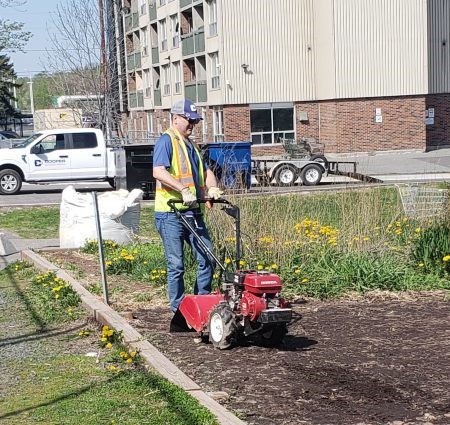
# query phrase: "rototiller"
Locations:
[[248, 304]]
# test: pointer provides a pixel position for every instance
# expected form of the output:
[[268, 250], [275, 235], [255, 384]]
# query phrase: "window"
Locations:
[[147, 83], [52, 142], [271, 122], [143, 7], [212, 18], [175, 27], [177, 76], [144, 41], [215, 70], [218, 124], [162, 2], [84, 140], [166, 79], [150, 122], [163, 34]]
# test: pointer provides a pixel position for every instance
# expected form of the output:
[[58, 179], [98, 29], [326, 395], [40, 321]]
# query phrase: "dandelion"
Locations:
[[227, 260], [446, 259], [421, 265], [305, 280], [259, 267], [109, 345]]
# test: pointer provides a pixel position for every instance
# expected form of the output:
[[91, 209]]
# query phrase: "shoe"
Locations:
[[198, 340]]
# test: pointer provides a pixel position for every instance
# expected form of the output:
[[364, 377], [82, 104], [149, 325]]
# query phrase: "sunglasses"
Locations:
[[189, 120]]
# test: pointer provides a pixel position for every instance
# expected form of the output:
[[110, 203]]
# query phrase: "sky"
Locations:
[[37, 17]]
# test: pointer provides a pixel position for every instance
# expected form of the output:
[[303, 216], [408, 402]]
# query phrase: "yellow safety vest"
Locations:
[[181, 169]]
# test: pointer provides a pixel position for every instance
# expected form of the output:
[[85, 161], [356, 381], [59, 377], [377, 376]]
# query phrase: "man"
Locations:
[[181, 173]]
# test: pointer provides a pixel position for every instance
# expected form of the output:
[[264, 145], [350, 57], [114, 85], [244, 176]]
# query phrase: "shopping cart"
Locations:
[[423, 201]]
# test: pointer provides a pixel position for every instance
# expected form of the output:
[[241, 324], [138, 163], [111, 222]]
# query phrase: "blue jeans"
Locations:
[[174, 234]]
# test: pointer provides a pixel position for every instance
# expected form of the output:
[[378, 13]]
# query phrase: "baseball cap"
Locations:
[[186, 108]]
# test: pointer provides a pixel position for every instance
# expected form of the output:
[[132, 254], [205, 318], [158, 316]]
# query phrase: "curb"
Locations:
[[152, 357]]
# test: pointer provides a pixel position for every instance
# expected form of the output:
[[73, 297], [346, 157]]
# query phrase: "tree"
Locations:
[[7, 84], [77, 67], [12, 36]]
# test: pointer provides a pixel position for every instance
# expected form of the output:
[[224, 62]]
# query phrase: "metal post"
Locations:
[[100, 248], [30, 83]]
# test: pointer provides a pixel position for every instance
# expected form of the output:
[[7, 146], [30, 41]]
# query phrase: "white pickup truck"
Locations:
[[56, 156]]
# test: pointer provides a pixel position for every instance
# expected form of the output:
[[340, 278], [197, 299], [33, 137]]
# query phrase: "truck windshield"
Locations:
[[27, 141]]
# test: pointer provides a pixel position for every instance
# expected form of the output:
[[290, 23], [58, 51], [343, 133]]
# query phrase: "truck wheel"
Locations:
[[222, 327], [321, 159], [273, 336], [10, 182], [286, 175], [311, 174]]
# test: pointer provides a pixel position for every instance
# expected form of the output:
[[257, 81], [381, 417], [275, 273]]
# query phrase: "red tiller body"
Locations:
[[260, 283]]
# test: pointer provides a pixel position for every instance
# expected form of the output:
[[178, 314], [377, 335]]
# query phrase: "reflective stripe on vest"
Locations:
[[181, 170]]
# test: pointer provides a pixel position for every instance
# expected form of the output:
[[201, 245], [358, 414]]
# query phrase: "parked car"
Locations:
[[9, 134]]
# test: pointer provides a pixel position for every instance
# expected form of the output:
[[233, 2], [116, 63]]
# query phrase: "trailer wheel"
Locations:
[[222, 327], [286, 175], [311, 174], [10, 182], [273, 336], [321, 159]]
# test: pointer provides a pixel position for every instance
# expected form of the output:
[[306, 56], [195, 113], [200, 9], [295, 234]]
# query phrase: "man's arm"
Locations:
[[160, 173], [210, 180]]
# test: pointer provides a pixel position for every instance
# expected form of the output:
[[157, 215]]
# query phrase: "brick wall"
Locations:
[[350, 125], [236, 123], [343, 126]]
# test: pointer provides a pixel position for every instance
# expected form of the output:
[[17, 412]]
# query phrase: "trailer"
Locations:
[[303, 158]]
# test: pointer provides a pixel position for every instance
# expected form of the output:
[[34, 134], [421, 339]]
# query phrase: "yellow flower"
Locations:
[[260, 267], [421, 265], [129, 360], [274, 266], [305, 280], [227, 260], [446, 258], [109, 345]]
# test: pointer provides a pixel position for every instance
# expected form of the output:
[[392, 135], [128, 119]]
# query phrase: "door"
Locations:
[[87, 156], [53, 160]]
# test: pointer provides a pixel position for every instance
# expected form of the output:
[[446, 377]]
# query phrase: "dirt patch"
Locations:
[[359, 361]]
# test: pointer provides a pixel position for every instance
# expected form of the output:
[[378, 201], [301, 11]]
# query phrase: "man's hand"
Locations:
[[189, 199], [214, 192]]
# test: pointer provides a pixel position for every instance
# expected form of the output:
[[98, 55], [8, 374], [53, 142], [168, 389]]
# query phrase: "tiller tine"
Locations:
[[178, 323]]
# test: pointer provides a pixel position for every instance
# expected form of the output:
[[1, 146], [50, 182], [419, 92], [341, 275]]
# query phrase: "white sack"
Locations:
[[119, 213]]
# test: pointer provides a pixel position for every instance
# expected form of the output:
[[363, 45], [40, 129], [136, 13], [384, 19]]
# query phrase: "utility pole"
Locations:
[[103, 70]]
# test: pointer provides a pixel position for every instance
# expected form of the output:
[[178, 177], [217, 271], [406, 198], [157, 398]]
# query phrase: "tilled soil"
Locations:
[[351, 362], [363, 361]]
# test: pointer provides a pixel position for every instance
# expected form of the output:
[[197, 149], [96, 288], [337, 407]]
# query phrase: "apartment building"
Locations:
[[356, 75]]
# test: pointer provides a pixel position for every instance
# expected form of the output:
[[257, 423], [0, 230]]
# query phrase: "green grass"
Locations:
[[43, 222], [47, 378], [29, 223]]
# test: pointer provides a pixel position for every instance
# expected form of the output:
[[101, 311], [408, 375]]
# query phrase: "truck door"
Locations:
[[87, 156], [51, 160]]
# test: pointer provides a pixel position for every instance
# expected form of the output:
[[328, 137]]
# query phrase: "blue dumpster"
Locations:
[[231, 163]]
